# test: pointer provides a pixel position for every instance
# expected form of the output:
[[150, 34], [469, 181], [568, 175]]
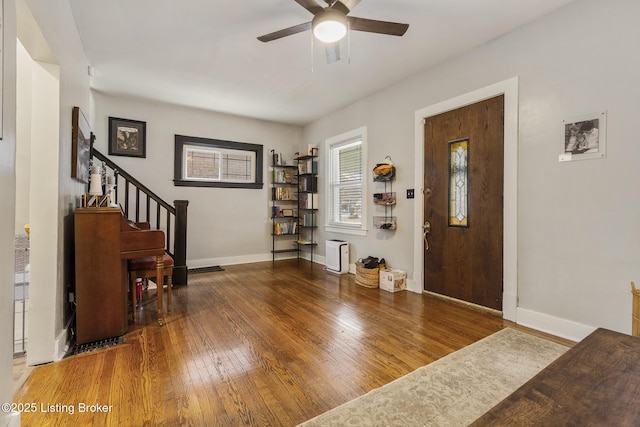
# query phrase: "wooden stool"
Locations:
[[146, 268]]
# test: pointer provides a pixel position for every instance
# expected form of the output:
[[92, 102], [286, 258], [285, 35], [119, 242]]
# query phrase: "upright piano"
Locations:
[[104, 241]]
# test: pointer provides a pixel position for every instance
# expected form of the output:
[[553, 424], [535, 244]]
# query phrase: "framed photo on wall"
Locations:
[[127, 137], [80, 146], [584, 137]]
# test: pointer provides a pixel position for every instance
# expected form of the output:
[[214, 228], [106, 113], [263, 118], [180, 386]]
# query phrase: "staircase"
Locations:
[[140, 204]]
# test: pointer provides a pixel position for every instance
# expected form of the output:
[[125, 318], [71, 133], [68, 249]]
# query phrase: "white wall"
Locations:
[[49, 313], [23, 150], [42, 215], [7, 207], [577, 233], [225, 225]]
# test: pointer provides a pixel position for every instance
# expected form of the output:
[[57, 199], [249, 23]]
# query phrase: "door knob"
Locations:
[[426, 228]]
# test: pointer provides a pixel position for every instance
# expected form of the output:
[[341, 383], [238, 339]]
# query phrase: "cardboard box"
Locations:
[[393, 280]]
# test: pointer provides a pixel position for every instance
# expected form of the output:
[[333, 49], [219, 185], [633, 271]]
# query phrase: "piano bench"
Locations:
[[146, 268]]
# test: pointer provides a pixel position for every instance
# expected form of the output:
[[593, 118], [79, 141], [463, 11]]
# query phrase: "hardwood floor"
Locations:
[[253, 345]]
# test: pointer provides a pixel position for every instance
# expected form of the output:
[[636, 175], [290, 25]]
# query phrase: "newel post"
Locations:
[[180, 269]]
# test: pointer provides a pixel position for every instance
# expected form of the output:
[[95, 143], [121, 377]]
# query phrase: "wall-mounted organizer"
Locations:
[[285, 231], [308, 202], [385, 173]]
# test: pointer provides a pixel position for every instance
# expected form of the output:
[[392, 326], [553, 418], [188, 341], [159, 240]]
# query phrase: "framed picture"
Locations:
[[584, 137], [80, 146], [287, 212], [127, 137]]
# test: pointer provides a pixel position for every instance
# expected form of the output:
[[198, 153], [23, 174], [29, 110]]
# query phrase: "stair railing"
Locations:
[[154, 210]]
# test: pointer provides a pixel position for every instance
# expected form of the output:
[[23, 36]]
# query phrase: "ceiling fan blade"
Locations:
[[285, 32], [333, 52], [345, 6], [310, 5], [380, 27]]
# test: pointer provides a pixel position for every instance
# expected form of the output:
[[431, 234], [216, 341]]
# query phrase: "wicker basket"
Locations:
[[367, 277]]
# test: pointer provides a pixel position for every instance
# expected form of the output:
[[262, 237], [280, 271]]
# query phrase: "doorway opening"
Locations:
[[37, 166]]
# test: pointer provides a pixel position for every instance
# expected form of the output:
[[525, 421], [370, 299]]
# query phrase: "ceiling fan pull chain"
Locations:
[[348, 43], [312, 64]]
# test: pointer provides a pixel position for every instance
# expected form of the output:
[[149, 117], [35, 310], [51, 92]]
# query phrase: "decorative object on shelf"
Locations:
[[385, 172], [384, 199], [111, 191], [277, 159], [127, 137], [80, 146], [384, 222], [95, 197], [95, 187]]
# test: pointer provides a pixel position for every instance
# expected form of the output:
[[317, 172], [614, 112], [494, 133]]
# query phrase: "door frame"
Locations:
[[508, 88]]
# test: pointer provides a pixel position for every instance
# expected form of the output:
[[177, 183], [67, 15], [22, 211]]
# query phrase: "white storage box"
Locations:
[[393, 280]]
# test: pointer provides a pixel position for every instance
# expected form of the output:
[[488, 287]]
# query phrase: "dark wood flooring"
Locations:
[[255, 344]]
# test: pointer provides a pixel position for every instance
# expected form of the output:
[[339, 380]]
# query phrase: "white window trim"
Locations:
[[360, 133]]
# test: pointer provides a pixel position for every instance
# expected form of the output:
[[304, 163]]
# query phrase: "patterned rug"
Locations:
[[452, 391]]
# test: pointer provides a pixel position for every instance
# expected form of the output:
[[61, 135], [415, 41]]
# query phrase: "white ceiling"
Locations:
[[204, 53]]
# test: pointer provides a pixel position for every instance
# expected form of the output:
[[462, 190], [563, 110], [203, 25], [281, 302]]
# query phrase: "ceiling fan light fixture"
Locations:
[[329, 26]]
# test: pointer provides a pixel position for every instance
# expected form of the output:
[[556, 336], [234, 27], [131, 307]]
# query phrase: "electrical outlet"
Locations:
[[410, 193]]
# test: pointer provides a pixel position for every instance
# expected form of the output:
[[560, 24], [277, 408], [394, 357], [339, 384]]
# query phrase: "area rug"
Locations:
[[452, 391]]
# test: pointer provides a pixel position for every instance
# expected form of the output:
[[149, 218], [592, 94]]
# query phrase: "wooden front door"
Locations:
[[463, 212]]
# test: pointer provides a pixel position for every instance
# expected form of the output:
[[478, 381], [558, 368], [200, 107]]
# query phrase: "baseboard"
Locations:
[[553, 325], [317, 259], [413, 286], [61, 344], [248, 259], [10, 419], [509, 307], [243, 259]]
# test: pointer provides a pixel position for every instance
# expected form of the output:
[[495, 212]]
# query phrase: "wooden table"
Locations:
[[595, 383]]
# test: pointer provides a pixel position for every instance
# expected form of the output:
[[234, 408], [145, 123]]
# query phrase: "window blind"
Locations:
[[346, 184]]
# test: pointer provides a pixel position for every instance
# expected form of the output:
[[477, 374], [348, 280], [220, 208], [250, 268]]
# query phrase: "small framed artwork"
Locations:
[[287, 212], [584, 137], [80, 146], [127, 137]]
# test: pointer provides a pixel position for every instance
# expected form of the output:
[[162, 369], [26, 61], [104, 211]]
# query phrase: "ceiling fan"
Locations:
[[330, 24]]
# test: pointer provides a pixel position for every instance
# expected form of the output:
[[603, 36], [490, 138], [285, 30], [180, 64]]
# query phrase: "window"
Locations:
[[346, 184], [201, 162]]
